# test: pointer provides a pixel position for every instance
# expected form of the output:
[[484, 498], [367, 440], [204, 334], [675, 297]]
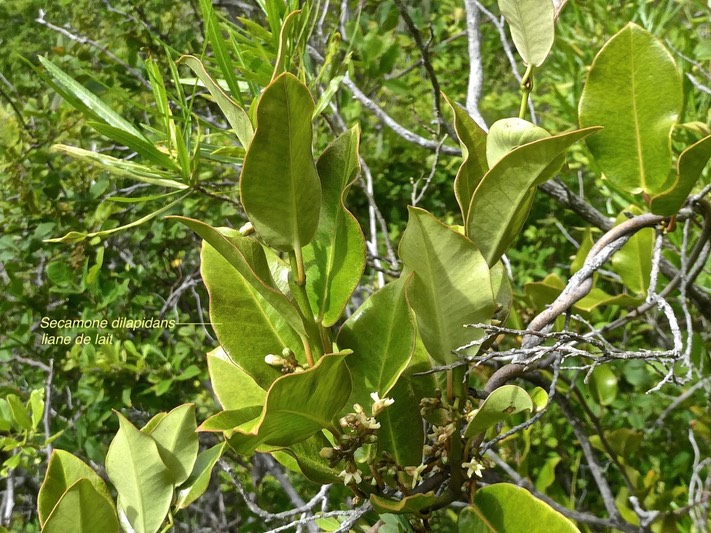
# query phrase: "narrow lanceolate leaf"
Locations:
[[176, 437], [248, 326], [381, 334], [451, 286], [634, 91], [82, 509], [335, 258], [144, 484], [234, 113], [245, 255], [299, 405], [234, 388], [532, 27], [472, 140], [279, 185], [633, 262], [63, 471], [689, 168], [504, 507], [495, 213]]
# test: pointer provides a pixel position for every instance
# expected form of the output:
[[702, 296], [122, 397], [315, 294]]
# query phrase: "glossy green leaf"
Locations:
[[634, 91], [603, 385], [233, 387], [539, 397], [509, 133], [82, 509], [36, 405], [299, 405], [247, 257], [546, 476], [506, 508], [633, 262], [408, 505], [286, 43], [499, 405], [84, 100], [381, 334], [247, 326], [586, 245], [177, 441], [532, 27], [401, 433], [472, 140], [691, 164], [279, 185], [624, 442], [451, 286], [20, 416], [234, 113], [143, 482], [335, 258], [495, 213], [199, 479], [304, 457], [139, 144], [63, 471], [228, 421], [502, 290]]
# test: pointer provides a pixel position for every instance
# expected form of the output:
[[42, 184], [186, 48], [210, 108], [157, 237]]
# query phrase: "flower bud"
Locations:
[[273, 360]]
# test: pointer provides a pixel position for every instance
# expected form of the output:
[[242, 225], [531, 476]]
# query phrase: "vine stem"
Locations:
[[526, 88]]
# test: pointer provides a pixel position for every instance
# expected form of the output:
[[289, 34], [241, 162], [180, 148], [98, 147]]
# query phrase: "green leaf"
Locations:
[[633, 262], [586, 245], [335, 258], [603, 385], [401, 433], [304, 457], [63, 471], [20, 416], [633, 90], [121, 167], [82, 509], [299, 405], [532, 27], [499, 405], [509, 133], [233, 387], [497, 212], [139, 144], [506, 508], [177, 441], [381, 334], [227, 421], [144, 484], [234, 113], [546, 476], [247, 257], [451, 286], [36, 406], [689, 168], [279, 185], [286, 39], [246, 313], [196, 485], [472, 140], [408, 505], [539, 397], [86, 101]]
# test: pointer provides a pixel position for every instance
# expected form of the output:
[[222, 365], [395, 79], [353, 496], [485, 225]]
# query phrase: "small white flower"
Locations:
[[473, 469], [380, 403], [349, 477]]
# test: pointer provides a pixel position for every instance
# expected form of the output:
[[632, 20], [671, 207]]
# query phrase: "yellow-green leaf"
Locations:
[[532, 27], [499, 405], [82, 509]]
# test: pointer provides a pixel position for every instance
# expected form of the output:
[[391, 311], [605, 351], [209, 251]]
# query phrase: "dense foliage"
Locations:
[[591, 293]]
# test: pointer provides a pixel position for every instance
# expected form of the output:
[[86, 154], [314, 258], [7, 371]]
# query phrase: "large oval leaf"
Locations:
[[279, 185], [634, 91], [451, 286], [63, 471], [532, 27], [496, 212], [506, 508], [82, 509], [335, 258], [144, 484], [381, 334], [299, 405], [234, 388]]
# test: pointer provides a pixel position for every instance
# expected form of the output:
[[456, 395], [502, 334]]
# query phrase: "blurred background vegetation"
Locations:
[[152, 270]]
